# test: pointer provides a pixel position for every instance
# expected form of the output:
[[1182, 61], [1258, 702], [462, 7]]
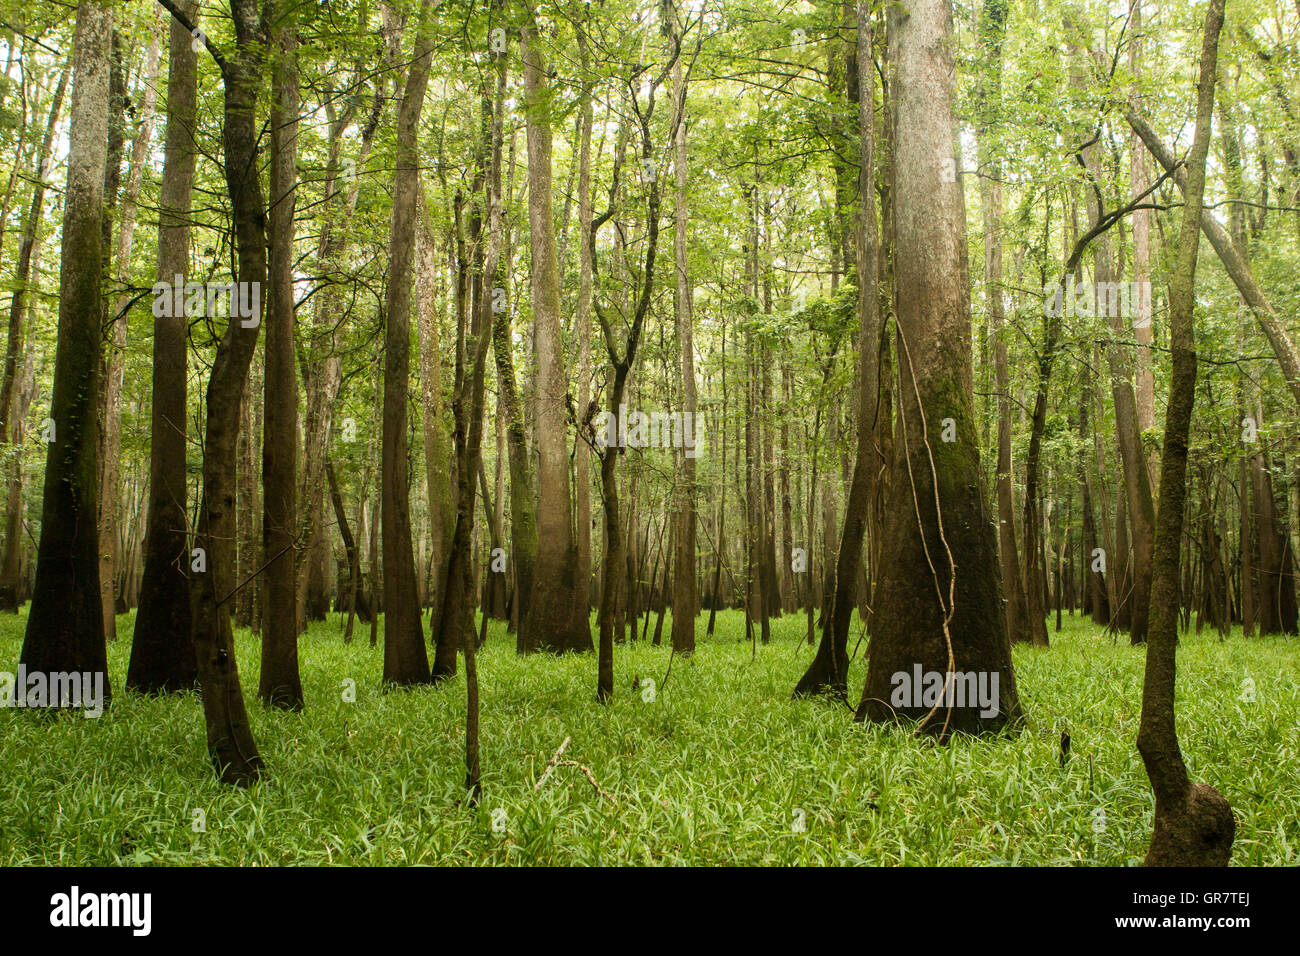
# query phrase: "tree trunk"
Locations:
[[110, 490], [437, 448], [406, 661], [280, 684], [992, 30], [685, 597], [582, 321], [230, 739], [162, 652], [829, 669], [551, 622], [1193, 825], [939, 605], [65, 626]]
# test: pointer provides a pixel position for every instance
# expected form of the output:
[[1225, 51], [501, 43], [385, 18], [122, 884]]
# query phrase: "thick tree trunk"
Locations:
[[162, 652], [551, 622], [65, 627], [939, 604]]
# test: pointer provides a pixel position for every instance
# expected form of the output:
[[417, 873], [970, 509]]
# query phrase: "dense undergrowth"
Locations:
[[721, 767]]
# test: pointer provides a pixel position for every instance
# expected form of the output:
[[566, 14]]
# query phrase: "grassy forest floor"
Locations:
[[718, 769]]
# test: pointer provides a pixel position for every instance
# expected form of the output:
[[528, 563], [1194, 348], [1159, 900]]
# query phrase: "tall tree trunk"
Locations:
[[230, 739], [829, 669], [582, 321], [992, 30], [109, 417], [65, 625], [110, 490], [406, 661], [1193, 823], [456, 624], [523, 516], [551, 622], [685, 597], [1139, 181], [162, 653], [437, 448], [939, 603], [280, 684]]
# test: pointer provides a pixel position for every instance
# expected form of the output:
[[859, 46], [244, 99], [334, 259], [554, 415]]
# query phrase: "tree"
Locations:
[[939, 601], [685, 599], [992, 29], [829, 669], [162, 654], [65, 626], [551, 623], [280, 684], [1193, 823], [212, 583], [405, 659], [114, 366]]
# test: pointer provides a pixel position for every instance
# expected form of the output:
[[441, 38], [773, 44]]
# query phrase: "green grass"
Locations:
[[714, 771]]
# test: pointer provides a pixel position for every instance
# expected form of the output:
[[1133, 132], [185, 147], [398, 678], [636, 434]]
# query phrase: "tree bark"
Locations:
[[829, 669], [406, 661], [1193, 824], [230, 739], [280, 684], [65, 627], [939, 602], [162, 652], [551, 622], [685, 596]]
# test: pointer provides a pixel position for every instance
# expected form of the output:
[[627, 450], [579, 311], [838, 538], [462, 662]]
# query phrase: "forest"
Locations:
[[650, 432]]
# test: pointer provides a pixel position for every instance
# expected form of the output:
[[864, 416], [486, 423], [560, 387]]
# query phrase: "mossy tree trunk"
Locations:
[[939, 598], [65, 626], [162, 653], [406, 660], [1193, 823]]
